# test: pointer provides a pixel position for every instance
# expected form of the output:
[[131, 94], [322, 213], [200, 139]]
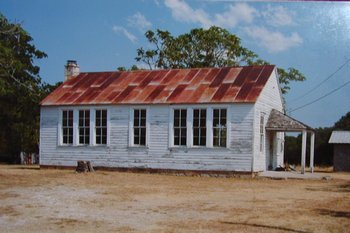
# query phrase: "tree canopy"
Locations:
[[21, 90], [213, 47]]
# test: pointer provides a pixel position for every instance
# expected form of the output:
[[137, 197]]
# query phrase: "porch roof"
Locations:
[[280, 122]]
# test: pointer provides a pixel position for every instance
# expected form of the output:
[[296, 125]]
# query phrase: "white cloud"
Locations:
[[278, 16], [130, 36], [274, 41], [182, 12], [139, 21], [240, 12]]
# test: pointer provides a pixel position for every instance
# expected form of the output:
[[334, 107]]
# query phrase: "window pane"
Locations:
[[223, 113], [65, 139], [177, 132], [203, 122], [195, 122], [196, 132], [196, 141], [215, 141], [176, 141], [176, 122], [203, 141], [183, 121], [98, 113], [196, 113], [70, 114], [136, 121], [203, 113], [176, 113], [143, 141], [183, 113], [104, 140], [203, 132], [70, 139], [216, 113], [143, 132], [143, 113], [183, 141], [104, 114], [64, 115], [215, 122], [143, 122]]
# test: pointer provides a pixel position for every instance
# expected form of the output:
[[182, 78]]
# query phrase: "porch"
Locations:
[[279, 122]]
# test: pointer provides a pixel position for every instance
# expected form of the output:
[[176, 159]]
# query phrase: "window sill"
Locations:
[[184, 148], [82, 146], [138, 147]]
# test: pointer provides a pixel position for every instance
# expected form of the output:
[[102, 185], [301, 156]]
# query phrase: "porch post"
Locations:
[[312, 148], [303, 152]]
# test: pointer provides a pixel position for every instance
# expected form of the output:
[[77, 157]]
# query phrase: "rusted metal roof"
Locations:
[[177, 86], [280, 122], [340, 137]]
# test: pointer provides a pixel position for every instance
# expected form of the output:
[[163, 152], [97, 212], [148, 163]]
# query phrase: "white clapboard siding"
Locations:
[[270, 98], [237, 157]]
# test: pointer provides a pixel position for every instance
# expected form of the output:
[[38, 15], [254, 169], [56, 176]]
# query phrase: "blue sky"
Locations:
[[313, 37]]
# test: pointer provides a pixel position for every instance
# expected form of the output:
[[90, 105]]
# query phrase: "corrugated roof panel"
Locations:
[[199, 77], [265, 74], [232, 75], [241, 78], [124, 94], [200, 85], [219, 78], [211, 75], [156, 92], [244, 91], [188, 78], [198, 92], [221, 92]]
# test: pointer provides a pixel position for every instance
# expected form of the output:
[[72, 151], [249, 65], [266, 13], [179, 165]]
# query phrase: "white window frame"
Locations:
[[95, 134], [76, 126], [209, 125], [226, 127], [171, 126], [131, 126], [78, 131], [60, 127]]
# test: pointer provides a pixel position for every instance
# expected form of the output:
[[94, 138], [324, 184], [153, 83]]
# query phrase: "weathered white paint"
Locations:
[[270, 98], [312, 149], [303, 151], [236, 157]]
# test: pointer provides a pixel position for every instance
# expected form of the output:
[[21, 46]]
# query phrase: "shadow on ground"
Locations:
[[265, 226]]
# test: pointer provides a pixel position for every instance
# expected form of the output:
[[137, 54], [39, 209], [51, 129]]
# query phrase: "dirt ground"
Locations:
[[33, 200]]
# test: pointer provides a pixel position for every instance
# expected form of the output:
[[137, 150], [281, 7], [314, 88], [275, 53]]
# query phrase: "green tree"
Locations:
[[213, 47], [343, 123], [20, 90]]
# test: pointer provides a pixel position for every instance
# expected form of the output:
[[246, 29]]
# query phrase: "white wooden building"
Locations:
[[206, 119]]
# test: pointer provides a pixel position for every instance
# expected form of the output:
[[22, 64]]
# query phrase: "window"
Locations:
[[139, 127], [262, 133], [199, 127], [84, 127], [101, 127], [67, 127], [180, 129], [219, 127]]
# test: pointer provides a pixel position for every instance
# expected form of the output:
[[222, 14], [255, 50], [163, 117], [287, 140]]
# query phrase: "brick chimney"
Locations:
[[71, 69]]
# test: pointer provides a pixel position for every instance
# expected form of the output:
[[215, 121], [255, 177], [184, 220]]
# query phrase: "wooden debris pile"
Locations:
[[84, 166]]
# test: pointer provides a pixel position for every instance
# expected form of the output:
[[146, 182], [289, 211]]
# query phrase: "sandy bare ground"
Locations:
[[33, 200]]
